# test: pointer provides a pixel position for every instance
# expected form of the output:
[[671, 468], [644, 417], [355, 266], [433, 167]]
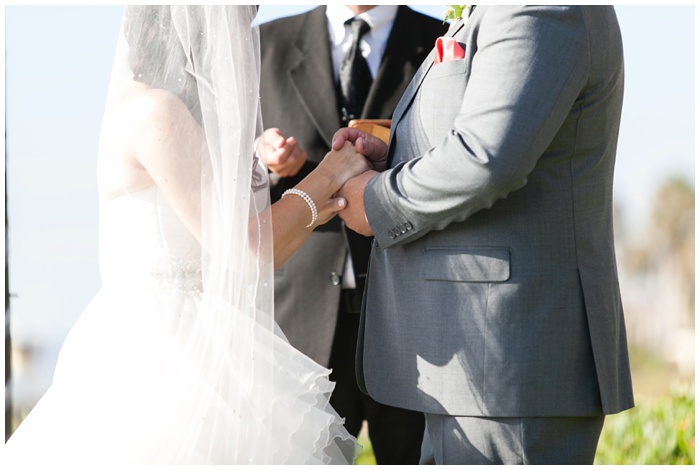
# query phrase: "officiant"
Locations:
[[320, 70]]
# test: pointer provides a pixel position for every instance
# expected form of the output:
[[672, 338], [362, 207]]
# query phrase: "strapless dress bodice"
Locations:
[[143, 242]]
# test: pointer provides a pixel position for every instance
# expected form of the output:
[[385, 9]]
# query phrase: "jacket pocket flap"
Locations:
[[446, 69], [473, 264]]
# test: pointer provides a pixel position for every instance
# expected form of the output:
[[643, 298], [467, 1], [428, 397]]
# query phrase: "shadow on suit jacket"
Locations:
[[493, 287]]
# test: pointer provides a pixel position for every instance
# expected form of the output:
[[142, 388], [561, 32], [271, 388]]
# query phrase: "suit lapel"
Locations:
[[416, 82], [397, 66], [311, 73]]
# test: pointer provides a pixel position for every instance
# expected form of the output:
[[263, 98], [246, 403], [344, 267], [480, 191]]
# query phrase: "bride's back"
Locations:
[[130, 117], [142, 237]]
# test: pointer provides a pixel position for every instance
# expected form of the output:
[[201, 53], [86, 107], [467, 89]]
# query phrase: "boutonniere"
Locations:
[[456, 12]]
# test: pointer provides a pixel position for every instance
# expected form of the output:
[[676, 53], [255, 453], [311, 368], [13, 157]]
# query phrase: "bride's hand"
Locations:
[[329, 209], [343, 164], [322, 184], [373, 148]]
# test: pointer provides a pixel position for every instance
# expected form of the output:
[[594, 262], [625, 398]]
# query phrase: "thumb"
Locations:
[[337, 203], [373, 148]]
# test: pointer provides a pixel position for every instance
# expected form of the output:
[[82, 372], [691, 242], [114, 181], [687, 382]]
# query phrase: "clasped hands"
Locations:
[[356, 157], [375, 151]]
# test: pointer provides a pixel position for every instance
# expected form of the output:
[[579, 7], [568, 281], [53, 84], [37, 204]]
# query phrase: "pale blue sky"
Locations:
[[57, 66]]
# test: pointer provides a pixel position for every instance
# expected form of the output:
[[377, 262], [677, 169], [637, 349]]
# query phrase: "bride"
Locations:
[[178, 359]]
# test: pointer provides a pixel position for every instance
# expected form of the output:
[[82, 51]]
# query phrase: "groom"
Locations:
[[492, 301]]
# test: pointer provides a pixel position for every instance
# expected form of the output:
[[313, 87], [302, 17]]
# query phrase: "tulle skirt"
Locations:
[[128, 388]]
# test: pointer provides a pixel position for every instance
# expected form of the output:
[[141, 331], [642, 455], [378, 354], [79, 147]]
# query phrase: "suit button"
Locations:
[[403, 229], [391, 234], [408, 225], [335, 279]]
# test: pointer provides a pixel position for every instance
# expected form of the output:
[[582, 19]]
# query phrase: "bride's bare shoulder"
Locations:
[[154, 106], [150, 117], [140, 124]]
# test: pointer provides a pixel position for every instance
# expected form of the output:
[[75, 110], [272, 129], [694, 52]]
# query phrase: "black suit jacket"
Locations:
[[298, 94]]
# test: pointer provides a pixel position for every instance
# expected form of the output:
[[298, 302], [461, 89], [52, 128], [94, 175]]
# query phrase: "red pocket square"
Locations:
[[447, 49]]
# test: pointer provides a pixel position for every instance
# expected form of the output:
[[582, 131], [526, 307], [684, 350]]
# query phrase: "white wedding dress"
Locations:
[[126, 389]]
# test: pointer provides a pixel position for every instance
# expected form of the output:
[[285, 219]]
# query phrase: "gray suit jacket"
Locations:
[[492, 288], [298, 95]]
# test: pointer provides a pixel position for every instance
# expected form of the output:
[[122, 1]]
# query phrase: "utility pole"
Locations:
[[8, 339]]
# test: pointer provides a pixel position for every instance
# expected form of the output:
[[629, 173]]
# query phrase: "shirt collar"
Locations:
[[379, 18]]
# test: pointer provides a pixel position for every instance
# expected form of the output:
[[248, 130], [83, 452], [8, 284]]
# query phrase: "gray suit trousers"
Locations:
[[466, 440]]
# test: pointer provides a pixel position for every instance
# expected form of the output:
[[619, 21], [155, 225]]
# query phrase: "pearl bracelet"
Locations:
[[308, 201]]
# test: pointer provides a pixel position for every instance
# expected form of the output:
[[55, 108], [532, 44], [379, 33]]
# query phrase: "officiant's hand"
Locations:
[[373, 148], [283, 156]]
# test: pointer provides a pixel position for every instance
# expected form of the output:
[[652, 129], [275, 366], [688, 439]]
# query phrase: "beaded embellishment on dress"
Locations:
[[179, 275]]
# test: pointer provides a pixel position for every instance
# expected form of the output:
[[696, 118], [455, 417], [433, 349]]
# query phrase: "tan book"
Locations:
[[377, 127]]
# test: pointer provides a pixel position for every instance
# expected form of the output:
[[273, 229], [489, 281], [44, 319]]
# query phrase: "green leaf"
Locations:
[[454, 12]]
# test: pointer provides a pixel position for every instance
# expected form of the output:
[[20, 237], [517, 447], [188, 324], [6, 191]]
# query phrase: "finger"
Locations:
[[274, 138], [283, 153], [346, 134], [276, 158], [291, 152], [295, 149], [287, 165]]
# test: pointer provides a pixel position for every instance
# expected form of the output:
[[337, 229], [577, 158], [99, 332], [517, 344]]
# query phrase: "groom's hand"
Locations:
[[354, 214], [373, 148]]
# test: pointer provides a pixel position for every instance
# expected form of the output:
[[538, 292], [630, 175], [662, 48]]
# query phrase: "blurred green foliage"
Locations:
[[658, 432]]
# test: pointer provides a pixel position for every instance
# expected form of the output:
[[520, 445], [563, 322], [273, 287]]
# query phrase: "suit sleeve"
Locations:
[[529, 65]]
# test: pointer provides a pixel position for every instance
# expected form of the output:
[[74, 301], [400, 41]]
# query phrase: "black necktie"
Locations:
[[355, 77]]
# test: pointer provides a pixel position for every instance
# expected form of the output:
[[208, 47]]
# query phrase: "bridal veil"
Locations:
[[255, 399]]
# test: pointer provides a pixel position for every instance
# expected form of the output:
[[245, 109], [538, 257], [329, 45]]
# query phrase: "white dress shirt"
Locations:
[[381, 20]]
